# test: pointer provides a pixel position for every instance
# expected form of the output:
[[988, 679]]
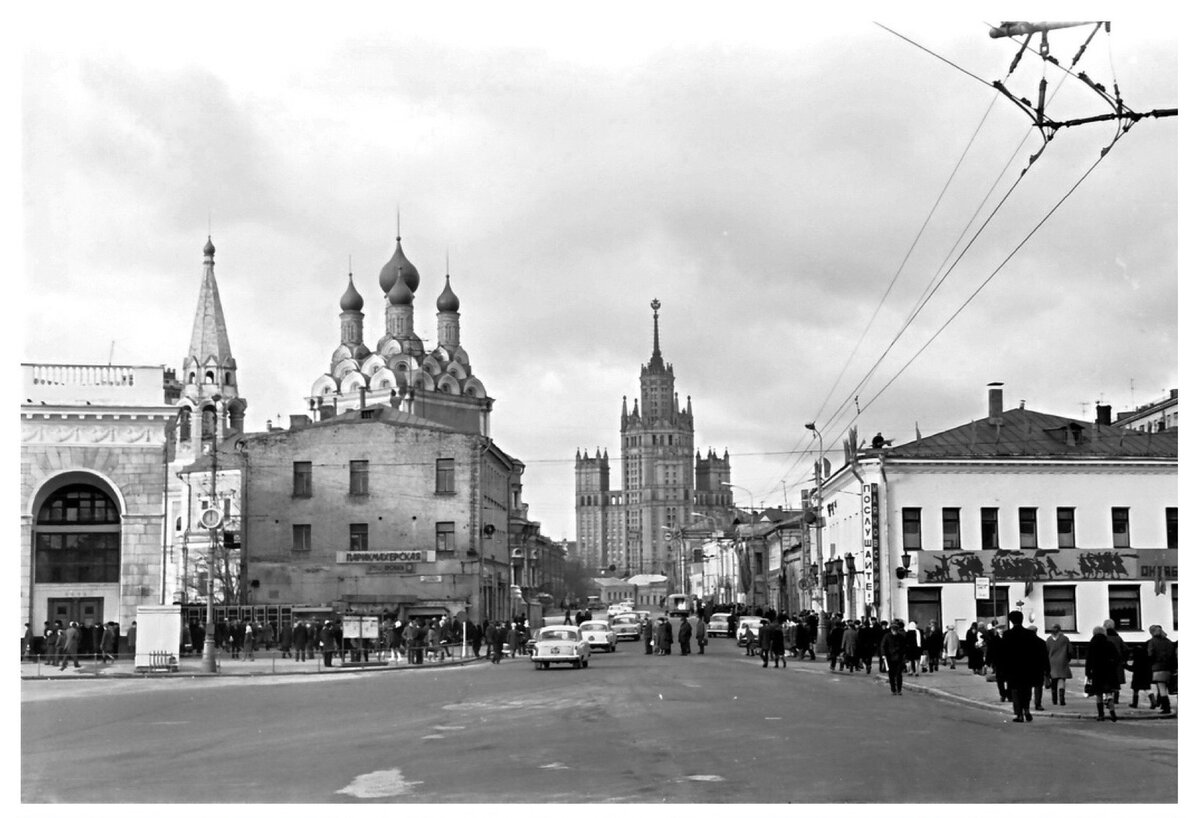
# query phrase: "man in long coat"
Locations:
[[685, 637], [648, 636], [893, 648], [70, 642], [1023, 660], [701, 634], [300, 641]]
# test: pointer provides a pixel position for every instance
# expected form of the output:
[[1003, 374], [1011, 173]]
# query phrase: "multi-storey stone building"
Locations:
[[665, 483]]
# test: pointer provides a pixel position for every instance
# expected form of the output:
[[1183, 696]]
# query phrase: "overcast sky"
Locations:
[[765, 176]]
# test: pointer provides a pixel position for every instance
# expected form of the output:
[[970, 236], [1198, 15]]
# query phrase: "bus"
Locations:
[[678, 605], [594, 603]]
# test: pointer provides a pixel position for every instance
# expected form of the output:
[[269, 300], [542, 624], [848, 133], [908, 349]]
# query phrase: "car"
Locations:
[[627, 626], [560, 644], [718, 625], [618, 608], [748, 627], [599, 635]]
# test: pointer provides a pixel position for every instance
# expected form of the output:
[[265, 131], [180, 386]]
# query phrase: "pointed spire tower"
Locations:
[[209, 393]]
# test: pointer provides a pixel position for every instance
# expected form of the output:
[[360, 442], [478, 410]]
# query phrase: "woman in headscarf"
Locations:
[[950, 644], [912, 648], [1102, 669]]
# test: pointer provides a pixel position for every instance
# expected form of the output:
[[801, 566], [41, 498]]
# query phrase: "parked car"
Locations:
[[599, 636], [560, 644], [718, 625], [627, 626], [748, 627], [619, 608]]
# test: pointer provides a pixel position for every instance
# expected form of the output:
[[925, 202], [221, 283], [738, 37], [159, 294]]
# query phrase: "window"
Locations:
[[1172, 527], [358, 536], [358, 477], [951, 537], [911, 518], [302, 538], [1027, 527], [78, 537], [445, 475], [445, 537], [1066, 528], [1125, 607], [1058, 607], [1120, 527], [302, 478], [989, 528], [995, 608], [1175, 607]]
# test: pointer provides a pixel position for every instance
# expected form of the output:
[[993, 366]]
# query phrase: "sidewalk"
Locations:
[[965, 687], [265, 663]]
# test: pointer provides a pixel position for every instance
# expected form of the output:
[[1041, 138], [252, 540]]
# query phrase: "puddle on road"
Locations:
[[379, 784]]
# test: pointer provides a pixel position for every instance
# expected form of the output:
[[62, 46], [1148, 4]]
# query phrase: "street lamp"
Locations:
[[823, 619], [743, 488]]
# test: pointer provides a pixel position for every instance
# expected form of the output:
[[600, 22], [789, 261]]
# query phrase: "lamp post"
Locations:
[[823, 616], [209, 656]]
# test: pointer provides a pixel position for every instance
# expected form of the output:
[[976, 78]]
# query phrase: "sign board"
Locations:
[[431, 578], [356, 627], [870, 517], [983, 588], [383, 557]]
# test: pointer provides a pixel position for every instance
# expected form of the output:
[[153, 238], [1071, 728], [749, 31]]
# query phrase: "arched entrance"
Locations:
[[77, 553]]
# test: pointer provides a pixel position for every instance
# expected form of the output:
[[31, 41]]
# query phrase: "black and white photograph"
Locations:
[[679, 405]]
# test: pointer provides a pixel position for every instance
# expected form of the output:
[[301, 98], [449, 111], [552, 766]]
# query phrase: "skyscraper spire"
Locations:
[[656, 355], [209, 348]]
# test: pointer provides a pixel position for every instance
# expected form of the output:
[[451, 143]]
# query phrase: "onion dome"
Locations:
[[399, 293], [399, 267], [209, 250], [351, 300], [447, 301]]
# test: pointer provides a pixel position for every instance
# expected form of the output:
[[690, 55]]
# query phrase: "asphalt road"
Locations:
[[630, 728]]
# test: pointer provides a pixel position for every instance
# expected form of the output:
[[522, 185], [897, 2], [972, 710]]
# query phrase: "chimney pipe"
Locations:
[[1103, 415], [995, 403]]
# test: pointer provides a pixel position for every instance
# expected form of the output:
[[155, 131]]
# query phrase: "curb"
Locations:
[[194, 674]]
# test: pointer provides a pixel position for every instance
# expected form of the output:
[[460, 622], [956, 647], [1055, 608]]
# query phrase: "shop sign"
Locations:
[[383, 557], [393, 568], [870, 516]]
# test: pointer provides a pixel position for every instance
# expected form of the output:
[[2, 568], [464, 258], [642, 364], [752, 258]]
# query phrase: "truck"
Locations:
[[678, 605]]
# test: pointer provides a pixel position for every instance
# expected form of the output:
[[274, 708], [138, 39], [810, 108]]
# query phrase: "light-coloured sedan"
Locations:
[[627, 626], [599, 636], [748, 628], [718, 625], [560, 644]]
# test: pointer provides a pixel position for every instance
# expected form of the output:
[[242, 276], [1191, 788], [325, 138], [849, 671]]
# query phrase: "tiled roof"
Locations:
[[1025, 433]]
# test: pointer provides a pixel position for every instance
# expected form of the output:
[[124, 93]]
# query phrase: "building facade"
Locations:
[[1072, 523], [635, 527]]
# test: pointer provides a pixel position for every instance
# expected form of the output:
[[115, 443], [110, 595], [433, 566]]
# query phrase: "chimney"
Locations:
[[995, 403], [1103, 415], [298, 421]]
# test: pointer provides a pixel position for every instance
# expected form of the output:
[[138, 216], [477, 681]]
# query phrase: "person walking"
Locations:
[[285, 641], [931, 645], [1023, 659], [836, 629], [1140, 674], [1058, 653], [1102, 670], [1043, 680], [912, 636], [951, 645], [131, 638], [250, 640], [70, 643], [108, 641], [777, 643], [994, 658], [893, 650], [300, 640], [1164, 661], [685, 637], [514, 640], [474, 638], [328, 643], [668, 636], [850, 645], [1110, 630], [701, 634], [970, 644]]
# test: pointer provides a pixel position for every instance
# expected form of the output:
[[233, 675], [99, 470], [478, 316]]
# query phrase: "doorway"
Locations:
[[924, 606], [88, 611]]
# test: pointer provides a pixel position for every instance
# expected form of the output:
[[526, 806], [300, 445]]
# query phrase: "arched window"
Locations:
[[228, 378], [78, 537], [185, 424], [191, 377], [209, 377], [208, 423]]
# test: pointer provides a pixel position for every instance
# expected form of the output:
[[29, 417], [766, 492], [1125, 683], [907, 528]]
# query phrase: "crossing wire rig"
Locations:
[[1122, 114]]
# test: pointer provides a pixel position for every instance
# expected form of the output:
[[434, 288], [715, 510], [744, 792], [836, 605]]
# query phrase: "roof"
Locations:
[[1025, 433]]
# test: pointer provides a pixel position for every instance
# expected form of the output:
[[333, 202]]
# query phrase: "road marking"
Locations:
[[448, 727], [433, 736], [164, 723], [379, 784], [705, 778], [555, 765], [773, 718]]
